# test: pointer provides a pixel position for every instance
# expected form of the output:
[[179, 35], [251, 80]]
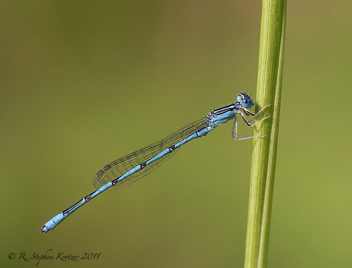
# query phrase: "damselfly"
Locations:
[[134, 166]]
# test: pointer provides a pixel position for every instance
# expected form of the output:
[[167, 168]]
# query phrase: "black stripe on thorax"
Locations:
[[224, 109]]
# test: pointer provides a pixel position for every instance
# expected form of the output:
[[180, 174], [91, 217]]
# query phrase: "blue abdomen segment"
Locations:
[[52, 223]]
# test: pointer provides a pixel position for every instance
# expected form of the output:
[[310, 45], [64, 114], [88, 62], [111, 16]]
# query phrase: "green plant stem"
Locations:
[[270, 72]]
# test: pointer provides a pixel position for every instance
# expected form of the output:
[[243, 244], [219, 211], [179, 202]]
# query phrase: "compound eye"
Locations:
[[247, 102]]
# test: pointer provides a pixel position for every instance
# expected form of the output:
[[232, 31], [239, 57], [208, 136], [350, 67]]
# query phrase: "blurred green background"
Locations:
[[86, 82]]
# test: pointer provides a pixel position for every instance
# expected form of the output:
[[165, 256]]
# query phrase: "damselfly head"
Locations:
[[245, 100]]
